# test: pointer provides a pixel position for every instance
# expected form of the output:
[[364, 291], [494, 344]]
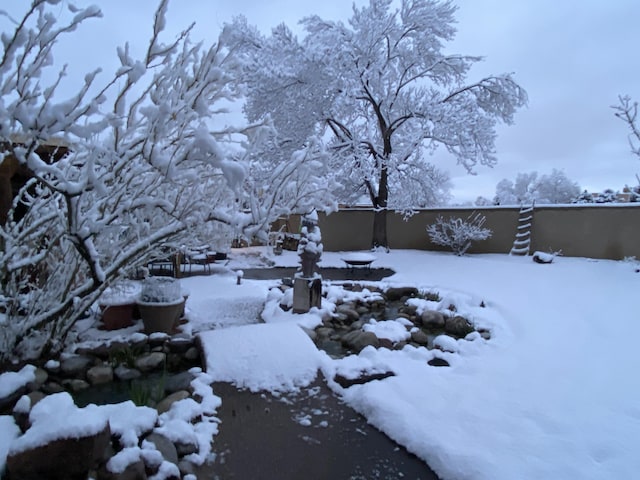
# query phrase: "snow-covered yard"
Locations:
[[551, 395]]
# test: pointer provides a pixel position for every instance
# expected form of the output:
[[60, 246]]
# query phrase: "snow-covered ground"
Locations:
[[553, 394]]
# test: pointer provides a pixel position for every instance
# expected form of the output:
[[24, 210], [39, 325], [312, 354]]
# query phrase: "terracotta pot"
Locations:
[[115, 317], [161, 317]]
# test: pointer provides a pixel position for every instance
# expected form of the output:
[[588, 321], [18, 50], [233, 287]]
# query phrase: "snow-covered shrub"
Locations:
[[136, 166], [457, 233], [607, 196]]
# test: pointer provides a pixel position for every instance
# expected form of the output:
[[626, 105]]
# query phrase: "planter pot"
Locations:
[[185, 298], [161, 317], [115, 317]]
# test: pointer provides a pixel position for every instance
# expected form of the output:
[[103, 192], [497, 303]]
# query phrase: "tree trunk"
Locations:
[[379, 238], [380, 229]]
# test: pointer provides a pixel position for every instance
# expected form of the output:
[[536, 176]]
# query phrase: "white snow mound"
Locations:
[[274, 356]]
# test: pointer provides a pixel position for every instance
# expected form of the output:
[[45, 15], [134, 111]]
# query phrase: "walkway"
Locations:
[[263, 437]]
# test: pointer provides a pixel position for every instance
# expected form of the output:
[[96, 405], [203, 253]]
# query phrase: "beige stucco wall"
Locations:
[[606, 231], [597, 231]]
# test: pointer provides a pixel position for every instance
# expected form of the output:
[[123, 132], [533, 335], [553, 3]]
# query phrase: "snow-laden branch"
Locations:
[[138, 167], [627, 111]]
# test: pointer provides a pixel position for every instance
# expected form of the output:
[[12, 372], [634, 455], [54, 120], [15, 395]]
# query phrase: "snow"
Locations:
[[56, 417], [393, 330], [544, 257], [121, 460], [11, 382], [446, 343], [275, 356], [52, 364], [23, 405], [193, 422], [128, 421], [9, 432], [358, 257], [550, 395]]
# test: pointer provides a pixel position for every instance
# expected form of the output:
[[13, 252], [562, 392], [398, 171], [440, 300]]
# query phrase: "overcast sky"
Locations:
[[573, 57]]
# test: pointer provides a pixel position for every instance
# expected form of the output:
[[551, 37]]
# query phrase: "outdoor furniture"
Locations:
[[359, 260], [162, 266], [185, 262], [205, 259]]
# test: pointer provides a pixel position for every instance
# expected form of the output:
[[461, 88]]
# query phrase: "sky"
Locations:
[[573, 58]]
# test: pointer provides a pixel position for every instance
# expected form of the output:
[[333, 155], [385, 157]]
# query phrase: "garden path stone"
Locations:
[[179, 381], [125, 373], [60, 459], [396, 293], [41, 377], [180, 344], [75, 364], [438, 362], [164, 446], [75, 384], [420, 337], [192, 354], [432, 319], [458, 326], [150, 361], [50, 388], [357, 340], [348, 310], [100, 374], [165, 404]]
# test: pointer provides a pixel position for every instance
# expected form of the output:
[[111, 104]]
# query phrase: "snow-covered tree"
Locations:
[[584, 197], [553, 188], [387, 93], [145, 168], [556, 188], [457, 233], [278, 185], [633, 192], [482, 202], [607, 196], [627, 111]]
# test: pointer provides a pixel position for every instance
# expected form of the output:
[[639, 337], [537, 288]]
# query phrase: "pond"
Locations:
[[277, 273]]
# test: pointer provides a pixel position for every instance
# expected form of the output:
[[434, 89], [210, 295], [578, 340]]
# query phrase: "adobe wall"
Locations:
[[597, 231], [605, 231]]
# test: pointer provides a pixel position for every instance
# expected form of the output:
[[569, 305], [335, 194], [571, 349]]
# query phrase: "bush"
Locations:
[[457, 233]]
